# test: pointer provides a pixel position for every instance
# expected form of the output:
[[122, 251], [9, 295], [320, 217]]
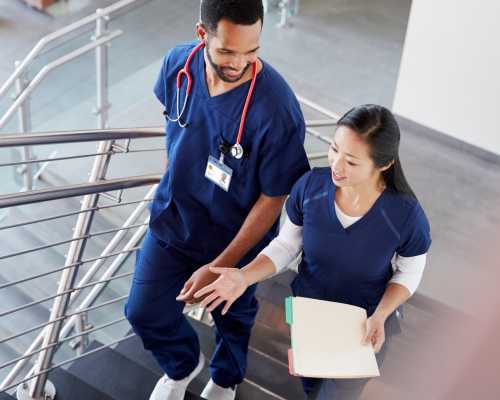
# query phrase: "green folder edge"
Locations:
[[288, 310], [289, 321]]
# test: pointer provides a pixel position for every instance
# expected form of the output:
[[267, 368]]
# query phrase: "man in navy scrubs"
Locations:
[[215, 207]]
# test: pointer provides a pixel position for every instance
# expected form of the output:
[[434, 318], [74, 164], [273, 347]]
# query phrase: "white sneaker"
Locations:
[[215, 392], [170, 389]]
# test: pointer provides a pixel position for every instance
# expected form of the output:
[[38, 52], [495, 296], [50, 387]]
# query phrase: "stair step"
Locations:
[[276, 289], [271, 342], [71, 387], [264, 373], [117, 376], [133, 350]]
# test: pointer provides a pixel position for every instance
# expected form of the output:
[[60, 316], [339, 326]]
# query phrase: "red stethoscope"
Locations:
[[236, 150]]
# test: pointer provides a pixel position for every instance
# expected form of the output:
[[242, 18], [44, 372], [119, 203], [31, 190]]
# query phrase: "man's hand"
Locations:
[[200, 278]]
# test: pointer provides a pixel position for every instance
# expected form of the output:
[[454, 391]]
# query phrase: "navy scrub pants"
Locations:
[[157, 318]]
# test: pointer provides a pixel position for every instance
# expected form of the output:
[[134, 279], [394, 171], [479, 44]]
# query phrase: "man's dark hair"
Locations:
[[240, 12]]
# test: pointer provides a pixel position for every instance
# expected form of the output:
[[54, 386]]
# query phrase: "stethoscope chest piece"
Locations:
[[237, 151]]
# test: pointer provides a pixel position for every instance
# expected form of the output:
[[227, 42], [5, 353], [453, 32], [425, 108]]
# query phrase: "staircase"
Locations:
[[128, 372]]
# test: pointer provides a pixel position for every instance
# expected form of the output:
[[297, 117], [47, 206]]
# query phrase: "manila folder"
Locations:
[[327, 340]]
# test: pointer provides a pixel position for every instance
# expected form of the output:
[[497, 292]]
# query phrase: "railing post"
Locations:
[[67, 281], [94, 293], [82, 342], [284, 13], [265, 3], [22, 392], [288, 8], [101, 58], [24, 118]]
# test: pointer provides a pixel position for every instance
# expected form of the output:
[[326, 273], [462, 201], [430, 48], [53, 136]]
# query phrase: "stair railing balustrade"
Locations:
[[62, 322], [24, 87]]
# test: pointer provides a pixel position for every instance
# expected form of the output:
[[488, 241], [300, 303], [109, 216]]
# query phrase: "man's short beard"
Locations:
[[220, 71]]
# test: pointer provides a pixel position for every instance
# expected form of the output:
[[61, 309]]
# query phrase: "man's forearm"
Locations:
[[259, 220]]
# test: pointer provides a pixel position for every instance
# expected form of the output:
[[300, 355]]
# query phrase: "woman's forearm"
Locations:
[[394, 295], [259, 269]]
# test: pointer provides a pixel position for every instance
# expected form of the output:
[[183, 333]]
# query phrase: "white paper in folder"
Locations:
[[327, 340]]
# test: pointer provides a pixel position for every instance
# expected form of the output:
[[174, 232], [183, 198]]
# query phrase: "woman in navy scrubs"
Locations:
[[361, 230]]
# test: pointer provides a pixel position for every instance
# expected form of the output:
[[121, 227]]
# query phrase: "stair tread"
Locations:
[[71, 387], [263, 371], [123, 377]]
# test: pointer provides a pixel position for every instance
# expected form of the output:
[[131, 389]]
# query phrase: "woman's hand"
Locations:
[[230, 285], [375, 331]]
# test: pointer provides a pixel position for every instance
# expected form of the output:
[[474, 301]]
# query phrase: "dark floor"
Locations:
[[323, 54]]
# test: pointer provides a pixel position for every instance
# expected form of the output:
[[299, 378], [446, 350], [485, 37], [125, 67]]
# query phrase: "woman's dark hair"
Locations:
[[378, 127], [240, 12]]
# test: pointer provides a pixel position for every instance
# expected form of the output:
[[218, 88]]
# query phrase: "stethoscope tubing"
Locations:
[[238, 149]]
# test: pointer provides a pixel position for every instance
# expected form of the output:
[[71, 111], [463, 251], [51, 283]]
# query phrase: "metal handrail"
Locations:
[[319, 136], [53, 271], [66, 339], [69, 291], [315, 123], [317, 156], [90, 298], [75, 252], [51, 66], [68, 361], [315, 106], [55, 244], [80, 156], [24, 87], [70, 214], [310, 124], [97, 175], [95, 135], [41, 195], [59, 319], [51, 37]]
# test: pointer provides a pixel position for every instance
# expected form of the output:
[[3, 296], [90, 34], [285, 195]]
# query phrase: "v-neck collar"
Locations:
[[364, 219], [223, 96]]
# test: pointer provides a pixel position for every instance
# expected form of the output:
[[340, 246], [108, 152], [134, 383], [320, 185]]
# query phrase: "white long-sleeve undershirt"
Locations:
[[288, 244]]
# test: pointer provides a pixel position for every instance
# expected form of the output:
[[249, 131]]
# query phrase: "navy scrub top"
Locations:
[[189, 212], [352, 265]]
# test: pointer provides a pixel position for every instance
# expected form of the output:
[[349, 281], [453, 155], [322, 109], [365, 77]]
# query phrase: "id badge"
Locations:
[[219, 173]]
